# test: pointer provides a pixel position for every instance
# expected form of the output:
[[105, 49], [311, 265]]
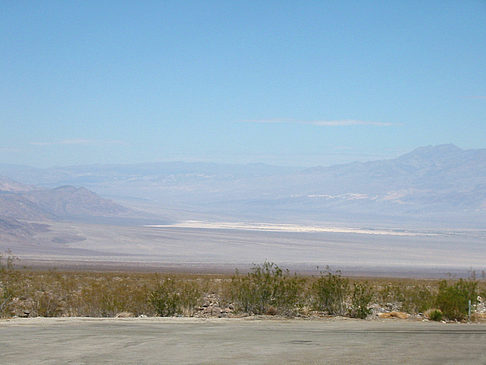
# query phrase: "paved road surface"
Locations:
[[233, 341]]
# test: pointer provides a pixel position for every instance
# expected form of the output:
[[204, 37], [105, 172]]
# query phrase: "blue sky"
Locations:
[[283, 82]]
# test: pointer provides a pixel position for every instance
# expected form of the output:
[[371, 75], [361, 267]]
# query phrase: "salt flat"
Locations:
[[273, 227]]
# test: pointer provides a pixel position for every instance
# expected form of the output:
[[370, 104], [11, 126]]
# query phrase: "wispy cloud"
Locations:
[[323, 123], [78, 141], [348, 122], [482, 97]]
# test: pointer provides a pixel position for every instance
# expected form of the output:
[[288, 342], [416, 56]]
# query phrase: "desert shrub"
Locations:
[[8, 281], [101, 300], [330, 292], [266, 289], [435, 315], [418, 299], [410, 298], [361, 299], [7, 262], [453, 300], [46, 304], [3, 304], [173, 297], [390, 293], [105, 295]]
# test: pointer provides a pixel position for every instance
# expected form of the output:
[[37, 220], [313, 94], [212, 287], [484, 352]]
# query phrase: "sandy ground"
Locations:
[[238, 341]]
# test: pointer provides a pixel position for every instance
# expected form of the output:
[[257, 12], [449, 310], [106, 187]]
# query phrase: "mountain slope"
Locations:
[[18, 201], [16, 206], [70, 201], [17, 231], [9, 185]]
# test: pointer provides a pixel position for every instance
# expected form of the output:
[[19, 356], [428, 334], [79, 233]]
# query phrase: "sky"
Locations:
[[282, 82]]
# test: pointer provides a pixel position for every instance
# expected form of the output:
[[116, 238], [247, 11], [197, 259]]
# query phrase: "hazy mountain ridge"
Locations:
[[70, 201], [35, 204], [17, 206], [22, 207], [166, 172], [9, 185], [434, 181], [444, 166]]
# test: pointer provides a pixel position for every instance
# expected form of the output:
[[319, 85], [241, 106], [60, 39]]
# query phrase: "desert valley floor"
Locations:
[[224, 246]]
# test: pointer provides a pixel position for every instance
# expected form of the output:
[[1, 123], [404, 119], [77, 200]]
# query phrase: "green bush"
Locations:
[[361, 299], [436, 315], [330, 293], [414, 298], [267, 289], [453, 300], [418, 299], [173, 297]]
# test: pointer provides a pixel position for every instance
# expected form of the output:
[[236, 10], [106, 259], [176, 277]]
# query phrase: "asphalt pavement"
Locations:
[[238, 341]]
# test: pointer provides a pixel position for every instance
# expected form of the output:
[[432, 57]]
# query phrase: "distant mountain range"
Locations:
[[442, 184]]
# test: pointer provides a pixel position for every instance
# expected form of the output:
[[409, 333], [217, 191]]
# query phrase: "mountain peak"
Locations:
[[73, 189], [441, 148], [433, 153], [68, 188]]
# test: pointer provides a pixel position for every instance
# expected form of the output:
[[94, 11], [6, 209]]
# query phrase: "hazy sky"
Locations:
[[286, 82]]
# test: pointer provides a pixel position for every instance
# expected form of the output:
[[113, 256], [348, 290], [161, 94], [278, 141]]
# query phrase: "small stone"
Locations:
[[401, 315], [125, 315]]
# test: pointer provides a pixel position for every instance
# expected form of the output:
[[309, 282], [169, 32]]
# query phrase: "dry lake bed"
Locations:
[[224, 247]]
